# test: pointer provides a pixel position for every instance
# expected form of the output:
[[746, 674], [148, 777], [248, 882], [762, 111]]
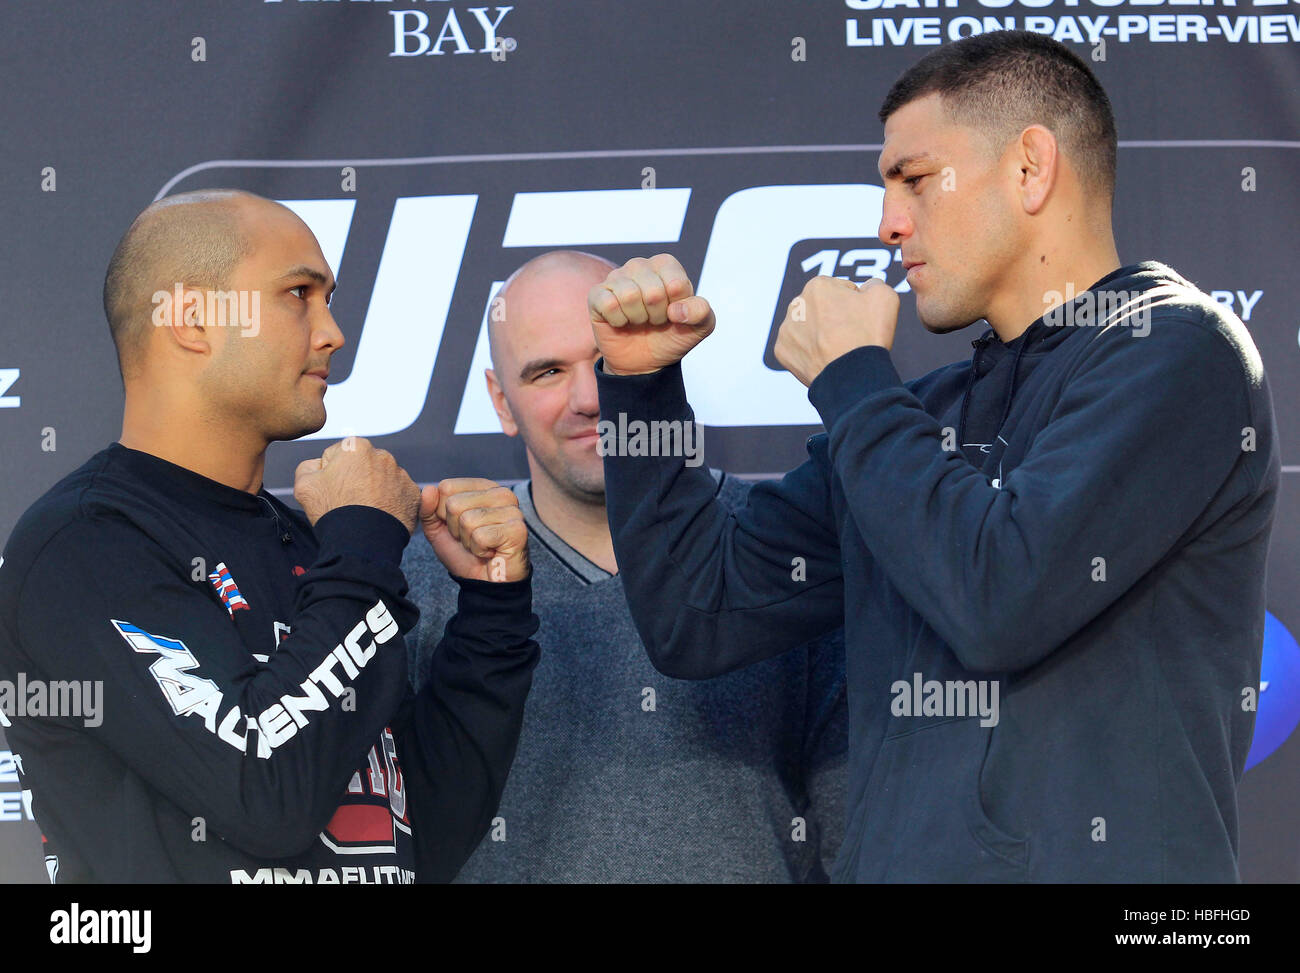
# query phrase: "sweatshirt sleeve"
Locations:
[[1146, 432], [262, 752], [464, 727], [712, 590]]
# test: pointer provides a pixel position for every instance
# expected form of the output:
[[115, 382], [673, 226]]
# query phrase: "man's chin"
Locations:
[[939, 323], [586, 485], [945, 327], [589, 488], [305, 427]]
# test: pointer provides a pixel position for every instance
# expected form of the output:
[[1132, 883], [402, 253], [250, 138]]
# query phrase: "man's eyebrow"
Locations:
[[539, 365], [309, 272], [896, 169]]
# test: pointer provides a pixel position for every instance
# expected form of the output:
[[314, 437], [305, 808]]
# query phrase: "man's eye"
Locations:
[[300, 287], [913, 180]]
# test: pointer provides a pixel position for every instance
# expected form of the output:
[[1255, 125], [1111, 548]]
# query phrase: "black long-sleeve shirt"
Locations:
[[255, 722]]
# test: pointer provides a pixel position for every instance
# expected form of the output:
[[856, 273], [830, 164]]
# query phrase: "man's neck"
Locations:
[[1051, 275], [583, 526], [200, 445]]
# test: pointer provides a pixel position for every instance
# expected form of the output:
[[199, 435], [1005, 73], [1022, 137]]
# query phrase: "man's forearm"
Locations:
[[709, 590]]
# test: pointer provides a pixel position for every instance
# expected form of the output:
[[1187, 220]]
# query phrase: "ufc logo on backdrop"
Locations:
[[744, 269]]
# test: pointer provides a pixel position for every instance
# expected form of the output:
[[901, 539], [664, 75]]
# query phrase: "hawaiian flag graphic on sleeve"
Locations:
[[227, 590]]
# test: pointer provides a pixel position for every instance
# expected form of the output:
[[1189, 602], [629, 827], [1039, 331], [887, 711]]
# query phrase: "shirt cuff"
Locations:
[[368, 531], [496, 612], [849, 379], [654, 395]]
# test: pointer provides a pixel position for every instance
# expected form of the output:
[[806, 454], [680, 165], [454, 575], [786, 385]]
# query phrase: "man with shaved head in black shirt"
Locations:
[[257, 724]]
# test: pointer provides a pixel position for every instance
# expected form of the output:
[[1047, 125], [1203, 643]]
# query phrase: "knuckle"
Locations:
[[627, 292]]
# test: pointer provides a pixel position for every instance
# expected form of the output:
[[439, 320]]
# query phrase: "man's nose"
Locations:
[[583, 397], [894, 223], [328, 333]]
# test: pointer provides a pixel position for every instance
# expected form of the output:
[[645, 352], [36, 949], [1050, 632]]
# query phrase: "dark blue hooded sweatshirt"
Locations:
[[1049, 562]]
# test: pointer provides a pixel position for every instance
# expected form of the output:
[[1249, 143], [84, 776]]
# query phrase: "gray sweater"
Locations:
[[626, 775]]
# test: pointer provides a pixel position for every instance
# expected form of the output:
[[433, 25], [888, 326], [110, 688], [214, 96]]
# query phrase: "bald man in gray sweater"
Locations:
[[623, 774]]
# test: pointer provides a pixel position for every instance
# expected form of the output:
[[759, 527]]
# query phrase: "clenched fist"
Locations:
[[645, 315], [830, 318], [476, 528], [354, 472]]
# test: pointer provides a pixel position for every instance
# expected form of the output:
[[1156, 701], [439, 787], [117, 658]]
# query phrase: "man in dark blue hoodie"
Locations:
[[1049, 559]]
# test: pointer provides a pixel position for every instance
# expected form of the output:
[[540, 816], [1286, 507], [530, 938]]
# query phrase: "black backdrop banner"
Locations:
[[434, 146]]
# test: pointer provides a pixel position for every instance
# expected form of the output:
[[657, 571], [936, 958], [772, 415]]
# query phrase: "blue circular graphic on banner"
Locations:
[[1279, 697]]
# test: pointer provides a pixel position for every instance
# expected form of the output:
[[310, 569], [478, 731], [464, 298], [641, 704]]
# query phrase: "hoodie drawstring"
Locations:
[[1011, 388], [979, 344]]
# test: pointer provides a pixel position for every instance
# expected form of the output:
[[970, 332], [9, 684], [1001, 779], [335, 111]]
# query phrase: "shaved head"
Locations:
[[547, 267], [543, 381], [218, 302], [195, 239]]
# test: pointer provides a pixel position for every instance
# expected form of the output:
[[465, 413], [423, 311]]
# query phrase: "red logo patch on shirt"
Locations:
[[374, 808]]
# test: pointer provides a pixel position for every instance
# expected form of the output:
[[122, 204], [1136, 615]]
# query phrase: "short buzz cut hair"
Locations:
[[1006, 80], [195, 239]]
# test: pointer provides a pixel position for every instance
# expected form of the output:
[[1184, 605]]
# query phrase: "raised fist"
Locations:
[[645, 315], [354, 472], [476, 528]]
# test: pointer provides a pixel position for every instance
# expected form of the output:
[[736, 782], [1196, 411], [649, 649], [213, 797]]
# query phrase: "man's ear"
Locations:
[[1039, 159], [181, 312], [508, 424]]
